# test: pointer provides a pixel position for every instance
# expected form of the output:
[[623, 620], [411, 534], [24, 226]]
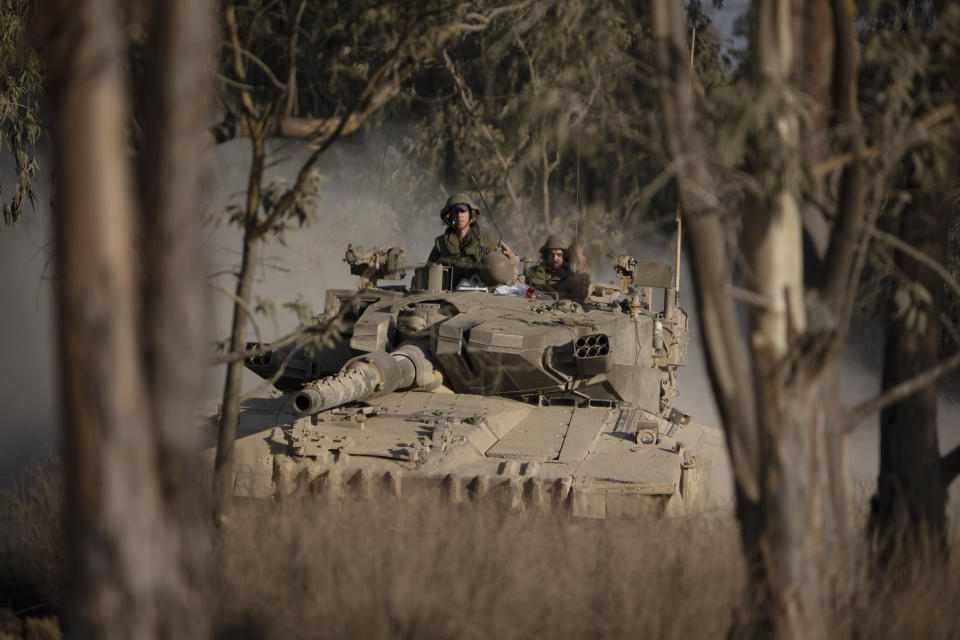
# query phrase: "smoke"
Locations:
[[364, 201], [28, 387]]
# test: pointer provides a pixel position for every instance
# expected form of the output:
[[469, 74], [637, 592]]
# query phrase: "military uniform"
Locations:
[[562, 280], [449, 250]]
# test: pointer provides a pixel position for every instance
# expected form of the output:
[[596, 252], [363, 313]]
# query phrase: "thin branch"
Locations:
[[223, 272], [240, 303], [245, 99], [233, 83], [652, 188], [288, 198], [261, 64], [322, 130], [263, 386], [750, 297], [920, 132], [901, 391], [917, 255], [292, 59], [260, 349]]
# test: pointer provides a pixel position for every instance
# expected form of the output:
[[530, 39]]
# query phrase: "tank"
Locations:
[[482, 392]]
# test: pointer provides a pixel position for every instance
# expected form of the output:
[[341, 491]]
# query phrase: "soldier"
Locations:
[[554, 275], [464, 244]]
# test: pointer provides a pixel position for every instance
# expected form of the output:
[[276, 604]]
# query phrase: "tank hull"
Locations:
[[595, 462]]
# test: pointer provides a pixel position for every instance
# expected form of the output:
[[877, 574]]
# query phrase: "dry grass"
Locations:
[[309, 569], [31, 546], [424, 570]]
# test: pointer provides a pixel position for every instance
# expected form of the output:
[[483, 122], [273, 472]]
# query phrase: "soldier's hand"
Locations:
[[507, 251]]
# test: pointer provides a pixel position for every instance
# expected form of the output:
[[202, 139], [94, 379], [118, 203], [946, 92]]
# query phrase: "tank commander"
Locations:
[[465, 243], [554, 273]]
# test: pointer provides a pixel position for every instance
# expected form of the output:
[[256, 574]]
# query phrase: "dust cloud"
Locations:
[[28, 386], [362, 202]]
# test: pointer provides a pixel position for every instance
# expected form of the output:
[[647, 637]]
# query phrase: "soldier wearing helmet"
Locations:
[[554, 273], [465, 243]]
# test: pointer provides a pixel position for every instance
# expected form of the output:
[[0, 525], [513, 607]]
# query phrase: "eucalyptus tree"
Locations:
[[310, 73], [129, 324], [799, 150], [549, 113]]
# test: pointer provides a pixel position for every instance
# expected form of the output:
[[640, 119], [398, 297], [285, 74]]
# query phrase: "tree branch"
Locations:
[[730, 373], [243, 305], [245, 99], [842, 250], [919, 133], [292, 59], [901, 391], [260, 349], [325, 128], [917, 255], [259, 63], [362, 107]]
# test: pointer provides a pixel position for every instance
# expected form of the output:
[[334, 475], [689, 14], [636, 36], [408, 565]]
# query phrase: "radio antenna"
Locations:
[[484, 201]]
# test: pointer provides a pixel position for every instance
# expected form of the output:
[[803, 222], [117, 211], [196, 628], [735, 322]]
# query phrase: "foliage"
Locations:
[[552, 112], [907, 75], [21, 77]]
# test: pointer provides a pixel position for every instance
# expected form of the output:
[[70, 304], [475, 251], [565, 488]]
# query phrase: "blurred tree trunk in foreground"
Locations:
[[769, 383], [126, 370]]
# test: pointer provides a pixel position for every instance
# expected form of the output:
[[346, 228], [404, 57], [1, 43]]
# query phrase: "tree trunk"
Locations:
[[791, 549], [910, 503], [176, 94], [230, 411], [124, 558]]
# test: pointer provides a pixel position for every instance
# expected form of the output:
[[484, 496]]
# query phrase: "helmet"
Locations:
[[554, 242], [497, 269], [462, 199]]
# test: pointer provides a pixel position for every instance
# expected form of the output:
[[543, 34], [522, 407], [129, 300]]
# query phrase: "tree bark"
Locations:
[[910, 503], [792, 534], [176, 94], [227, 433], [771, 397], [124, 553], [730, 374]]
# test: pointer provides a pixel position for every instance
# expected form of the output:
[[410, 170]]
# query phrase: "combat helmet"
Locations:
[[460, 198], [554, 242]]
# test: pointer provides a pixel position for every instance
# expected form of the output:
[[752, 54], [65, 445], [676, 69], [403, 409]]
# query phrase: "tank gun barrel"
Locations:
[[365, 377]]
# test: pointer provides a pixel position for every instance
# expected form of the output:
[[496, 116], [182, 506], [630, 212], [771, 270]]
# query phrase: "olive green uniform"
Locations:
[[549, 280], [449, 250]]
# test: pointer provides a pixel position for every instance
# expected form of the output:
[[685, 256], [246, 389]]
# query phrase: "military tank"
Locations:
[[468, 389]]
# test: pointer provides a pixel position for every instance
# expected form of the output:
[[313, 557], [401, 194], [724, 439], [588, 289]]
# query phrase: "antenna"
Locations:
[[676, 266], [383, 157], [484, 201]]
